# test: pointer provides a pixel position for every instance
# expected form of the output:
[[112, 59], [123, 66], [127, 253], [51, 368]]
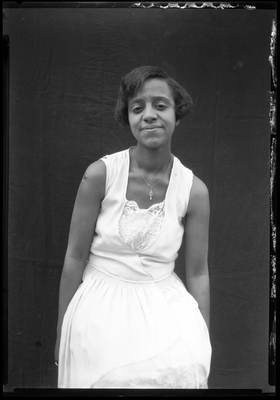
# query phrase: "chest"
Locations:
[[145, 196]]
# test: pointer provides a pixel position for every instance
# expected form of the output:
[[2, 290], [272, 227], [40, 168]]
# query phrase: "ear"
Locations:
[[177, 122]]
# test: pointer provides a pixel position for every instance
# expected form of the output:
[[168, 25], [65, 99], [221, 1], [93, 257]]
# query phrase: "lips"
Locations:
[[151, 127]]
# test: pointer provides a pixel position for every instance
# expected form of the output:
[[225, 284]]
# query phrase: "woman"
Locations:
[[125, 318]]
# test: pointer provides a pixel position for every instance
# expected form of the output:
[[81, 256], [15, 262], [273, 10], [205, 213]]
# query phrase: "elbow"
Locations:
[[76, 256], [198, 270]]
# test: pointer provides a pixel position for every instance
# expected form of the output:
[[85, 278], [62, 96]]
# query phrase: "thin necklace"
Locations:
[[151, 193]]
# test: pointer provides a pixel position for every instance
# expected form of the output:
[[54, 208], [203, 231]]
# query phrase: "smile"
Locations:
[[151, 128]]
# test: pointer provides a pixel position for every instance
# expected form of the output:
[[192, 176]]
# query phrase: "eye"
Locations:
[[161, 106], [137, 109]]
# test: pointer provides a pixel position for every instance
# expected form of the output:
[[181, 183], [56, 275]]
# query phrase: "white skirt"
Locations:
[[120, 334]]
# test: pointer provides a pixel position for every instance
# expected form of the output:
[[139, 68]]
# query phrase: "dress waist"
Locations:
[[90, 267]]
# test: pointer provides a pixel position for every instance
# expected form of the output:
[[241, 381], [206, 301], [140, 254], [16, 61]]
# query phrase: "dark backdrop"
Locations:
[[64, 71]]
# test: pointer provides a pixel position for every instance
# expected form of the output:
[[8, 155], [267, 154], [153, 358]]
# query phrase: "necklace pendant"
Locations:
[[151, 193]]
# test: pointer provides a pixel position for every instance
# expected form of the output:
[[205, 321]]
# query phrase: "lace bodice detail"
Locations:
[[139, 228]]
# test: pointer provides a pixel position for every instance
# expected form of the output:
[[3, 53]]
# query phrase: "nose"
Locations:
[[149, 113]]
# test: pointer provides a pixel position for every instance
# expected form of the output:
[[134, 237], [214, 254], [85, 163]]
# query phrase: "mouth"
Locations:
[[151, 128]]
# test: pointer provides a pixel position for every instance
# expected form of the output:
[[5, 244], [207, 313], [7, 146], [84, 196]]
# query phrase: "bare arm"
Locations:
[[86, 210], [196, 247]]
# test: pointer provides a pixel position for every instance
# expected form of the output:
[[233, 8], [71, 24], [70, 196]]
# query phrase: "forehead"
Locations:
[[154, 88]]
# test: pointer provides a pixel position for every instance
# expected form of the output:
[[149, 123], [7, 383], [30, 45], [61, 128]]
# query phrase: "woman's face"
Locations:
[[151, 114]]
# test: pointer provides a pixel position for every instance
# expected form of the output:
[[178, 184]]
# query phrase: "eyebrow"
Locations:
[[154, 98]]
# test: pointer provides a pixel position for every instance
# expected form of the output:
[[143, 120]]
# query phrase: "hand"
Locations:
[[56, 350]]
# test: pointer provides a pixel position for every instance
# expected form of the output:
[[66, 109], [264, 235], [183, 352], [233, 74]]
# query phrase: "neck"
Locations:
[[152, 160]]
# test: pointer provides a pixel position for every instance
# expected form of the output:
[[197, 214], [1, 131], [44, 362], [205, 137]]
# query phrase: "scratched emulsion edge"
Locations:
[[192, 5], [272, 201]]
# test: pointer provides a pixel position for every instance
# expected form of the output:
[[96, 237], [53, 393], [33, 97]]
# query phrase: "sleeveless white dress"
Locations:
[[132, 323]]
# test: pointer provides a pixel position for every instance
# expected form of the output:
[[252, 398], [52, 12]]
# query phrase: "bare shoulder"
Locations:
[[94, 179], [199, 188], [95, 172], [199, 195]]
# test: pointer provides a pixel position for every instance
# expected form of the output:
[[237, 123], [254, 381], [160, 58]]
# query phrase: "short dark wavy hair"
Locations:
[[135, 79]]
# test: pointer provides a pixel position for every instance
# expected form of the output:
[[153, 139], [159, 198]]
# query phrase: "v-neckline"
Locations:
[[127, 177]]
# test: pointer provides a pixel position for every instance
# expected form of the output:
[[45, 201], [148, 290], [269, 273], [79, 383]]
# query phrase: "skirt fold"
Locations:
[[121, 334]]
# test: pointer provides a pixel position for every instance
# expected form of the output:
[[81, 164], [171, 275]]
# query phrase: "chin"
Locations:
[[153, 144], [156, 143]]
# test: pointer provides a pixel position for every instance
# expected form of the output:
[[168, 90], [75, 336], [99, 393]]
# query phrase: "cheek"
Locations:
[[133, 119], [172, 119], [132, 122], [130, 119]]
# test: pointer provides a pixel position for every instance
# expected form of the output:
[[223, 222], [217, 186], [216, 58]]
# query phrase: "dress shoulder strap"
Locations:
[[185, 181], [115, 163]]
